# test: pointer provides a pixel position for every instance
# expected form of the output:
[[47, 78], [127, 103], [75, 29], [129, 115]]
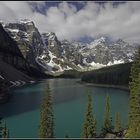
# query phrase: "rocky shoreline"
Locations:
[[122, 87]]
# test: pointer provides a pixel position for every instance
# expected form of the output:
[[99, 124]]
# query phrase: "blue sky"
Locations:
[[82, 21], [79, 5]]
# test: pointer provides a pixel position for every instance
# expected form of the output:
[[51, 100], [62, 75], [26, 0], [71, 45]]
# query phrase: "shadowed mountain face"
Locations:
[[11, 59], [9, 51], [10, 73]]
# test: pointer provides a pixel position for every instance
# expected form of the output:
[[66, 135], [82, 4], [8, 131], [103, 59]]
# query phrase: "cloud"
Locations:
[[93, 20], [14, 11]]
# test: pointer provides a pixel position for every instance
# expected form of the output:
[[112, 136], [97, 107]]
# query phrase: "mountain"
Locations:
[[13, 65], [48, 54], [66, 55], [28, 39]]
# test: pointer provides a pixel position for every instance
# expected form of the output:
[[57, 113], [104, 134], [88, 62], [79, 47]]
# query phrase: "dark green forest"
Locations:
[[70, 74], [113, 75]]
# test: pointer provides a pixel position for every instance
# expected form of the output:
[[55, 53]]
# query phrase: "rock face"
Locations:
[[9, 51], [11, 59], [52, 43], [48, 54], [117, 135], [28, 39]]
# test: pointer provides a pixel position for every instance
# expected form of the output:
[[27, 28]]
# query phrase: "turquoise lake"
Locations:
[[22, 112]]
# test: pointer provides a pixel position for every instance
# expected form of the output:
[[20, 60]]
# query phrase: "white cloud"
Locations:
[[92, 20]]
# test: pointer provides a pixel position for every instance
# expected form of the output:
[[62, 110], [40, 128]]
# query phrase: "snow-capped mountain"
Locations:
[[49, 54], [28, 39]]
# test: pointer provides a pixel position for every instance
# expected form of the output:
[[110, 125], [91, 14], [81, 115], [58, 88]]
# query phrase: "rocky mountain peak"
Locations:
[[121, 42], [102, 39], [28, 39], [65, 41], [98, 41], [2, 23], [51, 36], [51, 54], [26, 21], [9, 51]]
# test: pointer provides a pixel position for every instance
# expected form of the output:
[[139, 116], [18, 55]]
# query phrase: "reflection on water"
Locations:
[[29, 98], [69, 105]]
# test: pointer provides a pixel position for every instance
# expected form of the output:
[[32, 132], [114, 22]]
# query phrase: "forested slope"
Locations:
[[114, 75]]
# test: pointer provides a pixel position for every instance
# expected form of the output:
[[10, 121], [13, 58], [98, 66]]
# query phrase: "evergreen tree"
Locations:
[[66, 136], [89, 126], [134, 111], [5, 131], [46, 129], [118, 126], [1, 127], [107, 124], [93, 127]]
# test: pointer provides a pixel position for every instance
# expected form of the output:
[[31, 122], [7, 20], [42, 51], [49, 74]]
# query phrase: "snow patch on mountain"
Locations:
[[98, 41], [26, 21], [13, 30], [96, 65], [118, 61], [17, 83], [1, 77]]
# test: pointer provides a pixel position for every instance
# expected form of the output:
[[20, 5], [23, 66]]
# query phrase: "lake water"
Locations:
[[22, 112]]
